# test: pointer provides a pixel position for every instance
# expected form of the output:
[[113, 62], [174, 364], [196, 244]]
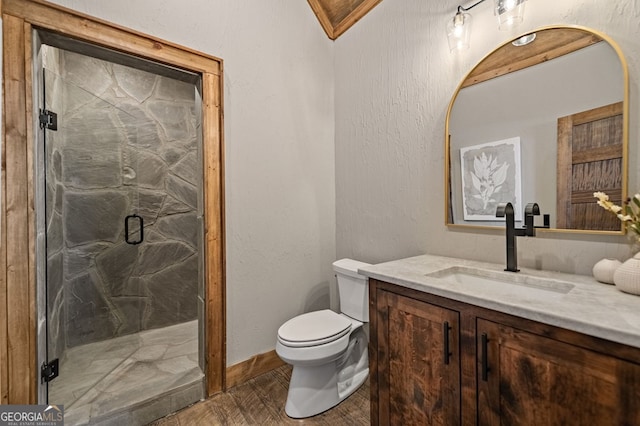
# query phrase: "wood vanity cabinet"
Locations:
[[418, 362], [534, 380], [500, 369]]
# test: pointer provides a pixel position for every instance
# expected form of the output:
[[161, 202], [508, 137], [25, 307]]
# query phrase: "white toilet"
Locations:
[[328, 351]]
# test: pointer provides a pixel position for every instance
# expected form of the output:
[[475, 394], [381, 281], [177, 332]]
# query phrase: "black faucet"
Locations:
[[529, 230]]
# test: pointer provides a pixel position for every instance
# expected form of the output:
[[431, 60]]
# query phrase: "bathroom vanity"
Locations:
[[461, 342]]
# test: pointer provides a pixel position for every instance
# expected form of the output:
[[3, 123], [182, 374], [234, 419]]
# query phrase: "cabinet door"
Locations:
[[527, 379], [418, 362]]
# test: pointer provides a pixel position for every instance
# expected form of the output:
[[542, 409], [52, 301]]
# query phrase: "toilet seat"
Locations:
[[313, 329]]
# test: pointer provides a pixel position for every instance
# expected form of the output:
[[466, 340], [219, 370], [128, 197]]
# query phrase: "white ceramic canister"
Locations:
[[603, 270], [627, 276]]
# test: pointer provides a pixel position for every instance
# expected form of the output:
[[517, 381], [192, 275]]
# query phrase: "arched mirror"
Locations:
[[543, 118]]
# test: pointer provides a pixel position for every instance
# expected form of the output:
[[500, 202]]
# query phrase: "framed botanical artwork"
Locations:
[[490, 176]]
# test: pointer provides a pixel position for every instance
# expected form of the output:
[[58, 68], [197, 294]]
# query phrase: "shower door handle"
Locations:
[[140, 229]]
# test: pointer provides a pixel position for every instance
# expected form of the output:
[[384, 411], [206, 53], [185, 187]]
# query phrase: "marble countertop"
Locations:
[[574, 302]]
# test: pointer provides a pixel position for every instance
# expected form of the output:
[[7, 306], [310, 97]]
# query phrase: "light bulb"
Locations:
[[458, 31]]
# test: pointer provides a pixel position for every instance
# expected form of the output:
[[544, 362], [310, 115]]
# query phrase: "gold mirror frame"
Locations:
[[487, 69]]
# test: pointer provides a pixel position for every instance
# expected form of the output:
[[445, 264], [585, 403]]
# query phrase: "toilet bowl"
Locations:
[[328, 351]]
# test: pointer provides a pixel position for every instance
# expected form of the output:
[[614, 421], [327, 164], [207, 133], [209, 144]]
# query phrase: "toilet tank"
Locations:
[[353, 289]]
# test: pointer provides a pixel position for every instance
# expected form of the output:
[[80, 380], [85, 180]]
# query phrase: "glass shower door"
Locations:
[[123, 237], [123, 185], [93, 236]]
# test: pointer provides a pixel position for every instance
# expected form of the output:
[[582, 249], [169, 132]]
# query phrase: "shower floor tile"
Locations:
[[104, 380]]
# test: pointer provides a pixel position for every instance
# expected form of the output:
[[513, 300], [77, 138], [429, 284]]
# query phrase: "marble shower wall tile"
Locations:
[[126, 144]]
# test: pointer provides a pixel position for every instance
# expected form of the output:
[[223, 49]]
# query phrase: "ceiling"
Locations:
[[337, 16]]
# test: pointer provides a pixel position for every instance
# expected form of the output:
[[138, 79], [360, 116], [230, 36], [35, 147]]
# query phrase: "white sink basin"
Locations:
[[482, 277]]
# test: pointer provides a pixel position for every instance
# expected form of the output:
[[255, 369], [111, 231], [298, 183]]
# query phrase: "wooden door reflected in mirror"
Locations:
[[589, 160]]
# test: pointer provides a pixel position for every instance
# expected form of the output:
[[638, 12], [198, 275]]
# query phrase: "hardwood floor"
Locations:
[[260, 401]]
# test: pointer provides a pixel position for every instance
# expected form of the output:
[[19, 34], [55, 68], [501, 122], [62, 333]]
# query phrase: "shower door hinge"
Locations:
[[48, 120], [49, 371]]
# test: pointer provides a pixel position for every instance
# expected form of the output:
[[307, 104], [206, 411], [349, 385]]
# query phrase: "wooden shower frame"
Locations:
[[19, 372]]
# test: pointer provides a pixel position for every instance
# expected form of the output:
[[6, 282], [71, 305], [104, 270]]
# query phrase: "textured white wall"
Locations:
[[394, 80], [279, 132]]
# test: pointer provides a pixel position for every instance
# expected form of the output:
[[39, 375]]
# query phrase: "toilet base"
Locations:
[[315, 389]]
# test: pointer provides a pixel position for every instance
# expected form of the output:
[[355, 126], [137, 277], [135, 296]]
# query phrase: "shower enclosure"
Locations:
[[120, 207]]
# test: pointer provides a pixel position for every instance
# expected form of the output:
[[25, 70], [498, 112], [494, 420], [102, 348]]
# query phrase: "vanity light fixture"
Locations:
[[509, 13], [459, 28]]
